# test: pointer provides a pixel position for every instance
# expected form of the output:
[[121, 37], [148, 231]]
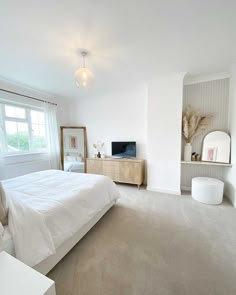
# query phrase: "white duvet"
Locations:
[[46, 208]]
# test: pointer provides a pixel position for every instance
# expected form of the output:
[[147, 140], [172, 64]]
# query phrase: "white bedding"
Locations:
[[46, 208], [6, 241]]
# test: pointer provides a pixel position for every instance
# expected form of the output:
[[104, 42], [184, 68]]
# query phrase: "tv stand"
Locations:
[[121, 170]]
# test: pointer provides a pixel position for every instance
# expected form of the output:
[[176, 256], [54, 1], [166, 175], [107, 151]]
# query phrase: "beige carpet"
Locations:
[[151, 244]]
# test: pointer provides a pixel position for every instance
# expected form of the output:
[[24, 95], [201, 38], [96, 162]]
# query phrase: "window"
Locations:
[[22, 129]]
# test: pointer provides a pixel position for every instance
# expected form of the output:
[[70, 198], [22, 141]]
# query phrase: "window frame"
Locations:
[[27, 120]]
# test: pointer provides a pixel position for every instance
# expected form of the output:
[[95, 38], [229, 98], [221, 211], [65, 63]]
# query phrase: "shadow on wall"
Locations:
[[230, 192]]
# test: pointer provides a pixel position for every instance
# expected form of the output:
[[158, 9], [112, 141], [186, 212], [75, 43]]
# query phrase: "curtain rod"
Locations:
[[31, 97]]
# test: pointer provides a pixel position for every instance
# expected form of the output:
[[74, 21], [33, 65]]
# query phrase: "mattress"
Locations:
[[6, 242]]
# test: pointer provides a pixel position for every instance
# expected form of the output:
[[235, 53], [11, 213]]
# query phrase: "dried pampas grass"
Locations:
[[193, 123]]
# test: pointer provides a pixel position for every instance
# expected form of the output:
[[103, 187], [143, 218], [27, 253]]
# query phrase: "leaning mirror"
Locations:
[[73, 149], [216, 147]]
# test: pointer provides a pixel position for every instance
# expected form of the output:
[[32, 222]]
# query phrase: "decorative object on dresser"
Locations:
[[216, 147], [73, 148], [119, 170], [99, 148], [193, 123]]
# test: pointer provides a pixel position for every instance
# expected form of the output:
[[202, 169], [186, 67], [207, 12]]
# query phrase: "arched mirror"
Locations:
[[73, 149], [216, 147]]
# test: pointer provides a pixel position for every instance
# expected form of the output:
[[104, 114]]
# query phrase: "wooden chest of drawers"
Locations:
[[119, 170]]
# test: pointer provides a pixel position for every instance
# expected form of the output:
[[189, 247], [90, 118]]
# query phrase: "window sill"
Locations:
[[14, 159], [21, 154]]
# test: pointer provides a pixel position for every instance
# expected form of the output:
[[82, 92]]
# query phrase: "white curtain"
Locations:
[[52, 136], [2, 140]]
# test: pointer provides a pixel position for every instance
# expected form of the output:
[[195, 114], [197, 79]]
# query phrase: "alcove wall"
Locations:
[[208, 97]]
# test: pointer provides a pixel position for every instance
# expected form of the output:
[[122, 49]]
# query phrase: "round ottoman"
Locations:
[[207, 190]]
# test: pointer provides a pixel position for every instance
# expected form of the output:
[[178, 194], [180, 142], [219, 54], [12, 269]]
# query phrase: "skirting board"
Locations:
[[46, 265], [165, 191], [186, 188]]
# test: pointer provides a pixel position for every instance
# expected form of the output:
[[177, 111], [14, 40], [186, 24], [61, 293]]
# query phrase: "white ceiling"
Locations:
[[130, 41]]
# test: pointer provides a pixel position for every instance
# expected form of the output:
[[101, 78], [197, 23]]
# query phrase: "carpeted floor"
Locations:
[[154, 244]]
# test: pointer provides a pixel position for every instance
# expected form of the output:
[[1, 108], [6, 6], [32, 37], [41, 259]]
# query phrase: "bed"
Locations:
[[74, 166], [74, 162], [57, 208]]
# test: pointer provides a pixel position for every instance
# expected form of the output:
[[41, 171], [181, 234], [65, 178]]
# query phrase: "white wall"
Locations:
[[140, 115], [230, 177], [111, 117], [30, 163], [164, 115]]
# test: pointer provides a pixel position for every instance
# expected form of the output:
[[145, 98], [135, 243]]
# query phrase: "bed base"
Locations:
[[47, 264]]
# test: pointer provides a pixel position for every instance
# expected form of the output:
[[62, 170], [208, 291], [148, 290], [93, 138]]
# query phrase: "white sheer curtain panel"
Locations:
[[2, 140], [52, 136]]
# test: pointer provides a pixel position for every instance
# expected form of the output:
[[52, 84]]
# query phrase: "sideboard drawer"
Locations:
[[119, 170]]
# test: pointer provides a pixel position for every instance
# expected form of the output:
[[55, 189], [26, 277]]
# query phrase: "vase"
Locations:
[[187, 152]]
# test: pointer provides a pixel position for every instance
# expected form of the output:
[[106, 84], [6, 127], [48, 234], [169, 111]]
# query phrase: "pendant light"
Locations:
[[83, 76]]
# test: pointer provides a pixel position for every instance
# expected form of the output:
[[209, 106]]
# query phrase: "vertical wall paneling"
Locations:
[[190, 171], [208, 97]]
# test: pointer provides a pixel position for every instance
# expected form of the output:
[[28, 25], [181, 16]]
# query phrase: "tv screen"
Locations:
[[123, 149]]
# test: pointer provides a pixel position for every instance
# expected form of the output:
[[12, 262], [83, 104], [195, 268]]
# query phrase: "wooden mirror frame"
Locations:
[[62, 144]]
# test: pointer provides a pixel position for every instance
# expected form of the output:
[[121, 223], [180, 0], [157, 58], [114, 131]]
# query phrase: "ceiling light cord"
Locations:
[[83, 53]]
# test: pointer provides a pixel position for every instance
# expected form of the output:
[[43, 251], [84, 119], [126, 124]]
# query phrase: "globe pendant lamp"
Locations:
[[83, 76]]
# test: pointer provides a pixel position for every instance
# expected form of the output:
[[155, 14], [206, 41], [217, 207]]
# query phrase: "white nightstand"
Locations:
[[16, 278]]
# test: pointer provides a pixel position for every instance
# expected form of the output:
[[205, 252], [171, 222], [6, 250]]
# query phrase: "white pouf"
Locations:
[[207, 190]]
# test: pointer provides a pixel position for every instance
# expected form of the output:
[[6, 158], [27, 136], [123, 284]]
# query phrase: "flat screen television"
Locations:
[[123, 149]]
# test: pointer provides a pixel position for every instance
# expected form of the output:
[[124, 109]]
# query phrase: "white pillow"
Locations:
[[3, 206]]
